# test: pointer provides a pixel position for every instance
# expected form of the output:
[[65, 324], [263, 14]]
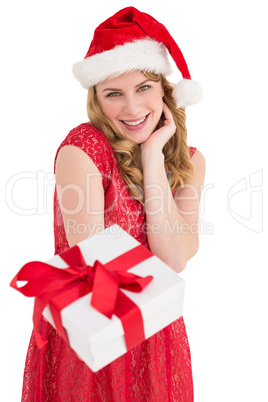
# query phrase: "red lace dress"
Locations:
[[157, 370]]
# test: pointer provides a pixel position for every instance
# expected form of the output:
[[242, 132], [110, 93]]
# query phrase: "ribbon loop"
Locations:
[[105, 290], [61, 287]]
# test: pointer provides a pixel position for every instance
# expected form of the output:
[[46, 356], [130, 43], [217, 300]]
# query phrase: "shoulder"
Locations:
[[91, 141], [197, 156], [85, 134], [199, 162]]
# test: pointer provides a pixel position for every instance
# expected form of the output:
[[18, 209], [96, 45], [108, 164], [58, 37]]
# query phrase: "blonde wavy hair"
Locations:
[[178, 165]]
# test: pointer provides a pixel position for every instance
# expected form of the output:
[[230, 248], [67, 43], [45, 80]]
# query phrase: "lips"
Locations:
[[134, 123]]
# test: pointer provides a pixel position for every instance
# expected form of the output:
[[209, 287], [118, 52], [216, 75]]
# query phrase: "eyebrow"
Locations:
[[118, 90]]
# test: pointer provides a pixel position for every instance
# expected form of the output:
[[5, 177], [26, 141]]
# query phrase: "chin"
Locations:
[[138, 139]]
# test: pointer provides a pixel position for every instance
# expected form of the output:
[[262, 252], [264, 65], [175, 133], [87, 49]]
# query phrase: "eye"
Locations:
[[113, 94], [143, 88]]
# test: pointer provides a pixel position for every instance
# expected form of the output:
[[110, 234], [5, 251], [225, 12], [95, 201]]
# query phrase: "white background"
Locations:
[[225, 46]]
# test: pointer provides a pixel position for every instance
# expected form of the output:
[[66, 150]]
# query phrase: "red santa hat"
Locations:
[[131, 40]]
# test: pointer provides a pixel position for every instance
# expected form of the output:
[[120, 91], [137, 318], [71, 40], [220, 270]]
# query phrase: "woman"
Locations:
[[130, 165]]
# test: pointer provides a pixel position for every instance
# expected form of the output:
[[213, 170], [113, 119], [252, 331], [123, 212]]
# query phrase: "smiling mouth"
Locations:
[[134, 123]]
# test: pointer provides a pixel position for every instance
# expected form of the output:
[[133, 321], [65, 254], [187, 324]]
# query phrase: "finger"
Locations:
[[169, 121], [166, 110]]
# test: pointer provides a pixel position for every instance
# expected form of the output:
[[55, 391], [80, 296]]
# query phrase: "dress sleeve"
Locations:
[[191, 151], [93, 142]]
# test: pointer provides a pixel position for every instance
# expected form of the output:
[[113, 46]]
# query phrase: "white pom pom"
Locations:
[[187, 92]]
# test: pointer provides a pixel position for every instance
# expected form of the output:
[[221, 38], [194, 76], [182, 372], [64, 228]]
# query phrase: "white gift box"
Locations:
[[99, 340]]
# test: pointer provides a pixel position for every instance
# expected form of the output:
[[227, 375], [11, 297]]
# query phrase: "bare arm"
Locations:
[[172, 222], [80, 193]]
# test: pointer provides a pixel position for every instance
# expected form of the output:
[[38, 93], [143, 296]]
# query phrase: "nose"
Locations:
[[131, 105]]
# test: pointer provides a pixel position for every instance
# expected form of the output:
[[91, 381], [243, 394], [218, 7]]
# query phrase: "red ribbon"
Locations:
[[61, 287]]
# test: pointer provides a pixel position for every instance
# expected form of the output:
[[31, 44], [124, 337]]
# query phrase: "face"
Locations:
[[133, 103]]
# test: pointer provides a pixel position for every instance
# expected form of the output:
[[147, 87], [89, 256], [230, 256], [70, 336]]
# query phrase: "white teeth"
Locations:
[[134, 123]]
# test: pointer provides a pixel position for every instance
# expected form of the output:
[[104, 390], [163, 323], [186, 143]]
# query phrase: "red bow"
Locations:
[[61, 287]]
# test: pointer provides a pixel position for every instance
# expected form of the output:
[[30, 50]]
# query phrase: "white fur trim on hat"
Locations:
[[187, 92], [143, 55]]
